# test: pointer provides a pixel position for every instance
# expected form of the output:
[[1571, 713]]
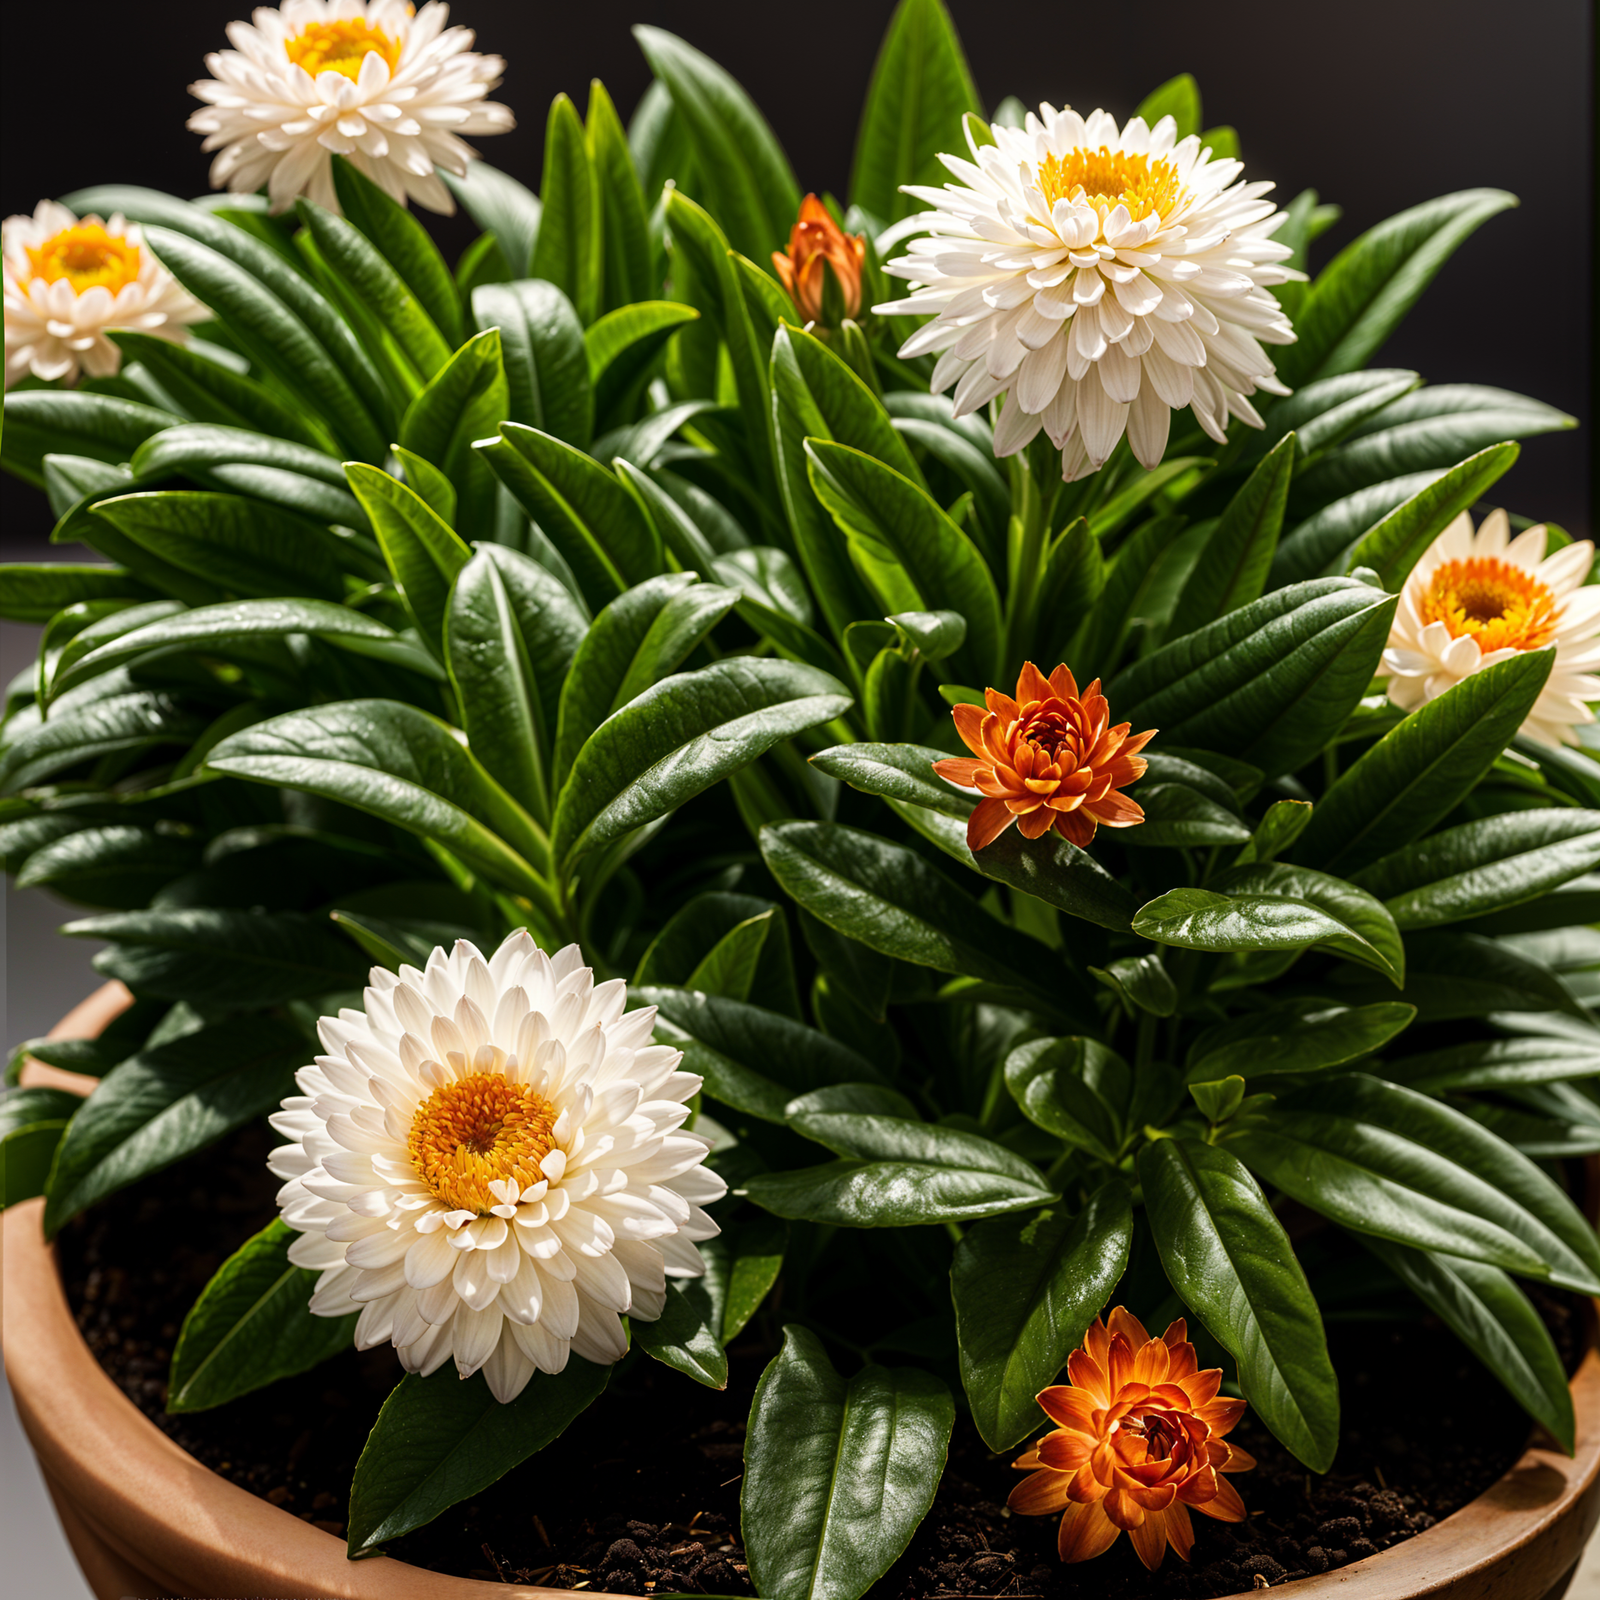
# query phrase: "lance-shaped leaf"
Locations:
[[99, 427], [252, 1326], [546, 359], [625, 222], [120, 721], [1485, 865], [423, 551], [168, 1101], [681, 736], [466, 400], [1231, 1263], [746, 1257], [500, 205], [1418, 771], [899, 772], [35, 591], [1025, 1289], [1268, 683], [896, 1172], [568, 250], [1304, 1036], [400, 764], [1498, 1064], [438, 1441], [118, 867], [622, 347], [687, 1336], [1074, 1088], [1376, 940], [1384, 1160], [837, 1474]]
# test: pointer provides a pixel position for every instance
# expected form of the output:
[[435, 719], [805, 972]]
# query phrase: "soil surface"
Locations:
[[1425, 1431]]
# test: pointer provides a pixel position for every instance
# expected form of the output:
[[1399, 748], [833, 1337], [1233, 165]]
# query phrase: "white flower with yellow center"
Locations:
[[488, 1163], [1100, 281], [69, 282], [1475, 599], [363, 79]]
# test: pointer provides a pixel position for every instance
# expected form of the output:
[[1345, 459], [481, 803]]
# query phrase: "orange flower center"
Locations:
[[476, 1130], [340, 46], [1501, 605], [1055, 732], [86, 256], [1106, 178]]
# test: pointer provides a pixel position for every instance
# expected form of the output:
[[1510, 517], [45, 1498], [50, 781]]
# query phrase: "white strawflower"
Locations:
[[359, 78], [70, 281], [1474, 599], [1100, 281], [489, 1164]]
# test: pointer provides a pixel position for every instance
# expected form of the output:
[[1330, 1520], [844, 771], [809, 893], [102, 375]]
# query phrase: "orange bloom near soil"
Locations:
[[1138, 1446], [1049, 758]]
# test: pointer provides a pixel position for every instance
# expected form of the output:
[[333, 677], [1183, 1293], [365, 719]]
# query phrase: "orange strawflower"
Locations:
[[1046, 759], [1139, 1445], [818, 245]]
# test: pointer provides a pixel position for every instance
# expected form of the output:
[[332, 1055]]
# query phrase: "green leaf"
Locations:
[[687, 1336], [424, 553], [1417, 772], [1232, 569], [546, 358], [1323, 413], [400, 764], [1176, 815], [899, 771], [511, 635], [1360, 298], [921, 89], [365, 274], [624, 344], [1452, 975], [837, 1474], [893, 901], [900, 522], [1268, 683], [1497, 1064], [679, 737], [1383, 1160], [467, 399], [568, 250], [1025, 1290], [1283, 823], [116, 867], [752, 1059], [1072, 1088], [404, 243], [1392, 547], [746, 1257], [439, 1441], [252, 1326], [106, 725], [168, 1101], [26, 1154], [1232, 1264], [1141, 983], [500, 205], [34, 591], [1492, 1317], [1323, 542], [1484, 866], [741, 170], [235, 543], [583, 509], [40, 422], [628, 261], [1178, 98], [1304, 1036]]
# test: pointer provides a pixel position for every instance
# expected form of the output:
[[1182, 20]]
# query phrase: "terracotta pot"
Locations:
[[146, 1519]]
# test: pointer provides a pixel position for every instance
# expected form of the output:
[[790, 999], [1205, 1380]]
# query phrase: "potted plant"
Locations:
[[921, 854]]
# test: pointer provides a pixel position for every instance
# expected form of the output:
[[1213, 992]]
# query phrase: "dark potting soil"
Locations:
[[641, 1496]]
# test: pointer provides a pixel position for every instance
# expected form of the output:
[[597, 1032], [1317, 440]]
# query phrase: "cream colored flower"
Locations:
[[364, 79], [1099, 280], [1474, 599], [488, 1163], [70, 281]]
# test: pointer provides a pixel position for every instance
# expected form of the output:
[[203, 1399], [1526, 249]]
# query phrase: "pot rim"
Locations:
[[114, 1475]]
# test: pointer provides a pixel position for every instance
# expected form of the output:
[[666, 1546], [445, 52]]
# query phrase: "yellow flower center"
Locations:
[[1105, 177], [1501, 605], [340, 46], [475, 1130], [86, 256]]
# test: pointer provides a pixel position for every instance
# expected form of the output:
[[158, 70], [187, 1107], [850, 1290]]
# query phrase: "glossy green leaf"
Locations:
[[627, 257], [747, 1257], [1417, 773], [744, 176], [1178, 98], [1071, 1088], [467, 399], [1497, 1064], [623, 345], [500, 205], [1283, 823], [34, 591], [1268, 683], [1452, 975], [26, 1154], [439, 1441], [687, 1336], [168, 1101], [837, 1474], [1025, 1290], [1232, 1264], [1142, 983], [1483, 866], [1324, 412], [108, 723], [251, 1326], [921, 89], [568, 250], [40, 422], [1304, 1036], [118, 867], [898, 771], [1323, 542], [1178, 816], [546, 358]]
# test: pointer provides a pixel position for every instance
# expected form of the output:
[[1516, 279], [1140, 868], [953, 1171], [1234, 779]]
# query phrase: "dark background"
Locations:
[[1378, 104]]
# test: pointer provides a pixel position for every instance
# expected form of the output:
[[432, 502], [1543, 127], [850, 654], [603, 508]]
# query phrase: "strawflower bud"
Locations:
[[818, 248]]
